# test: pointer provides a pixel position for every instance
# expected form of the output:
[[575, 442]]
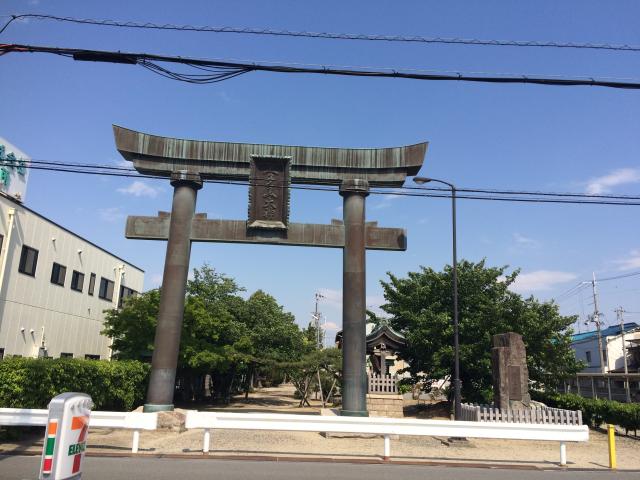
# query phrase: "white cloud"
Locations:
[[540, 280], [385, 201], [333, 326], [523, 241], [121, 162], [331, 297], [632, 262], [140, 189], [604, 184], [112, 214]]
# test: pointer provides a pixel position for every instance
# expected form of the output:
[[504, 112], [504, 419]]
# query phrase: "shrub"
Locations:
[[31, 383], [595, 412]]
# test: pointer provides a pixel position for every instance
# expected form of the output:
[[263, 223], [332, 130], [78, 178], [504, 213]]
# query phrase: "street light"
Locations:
[[456, 347]]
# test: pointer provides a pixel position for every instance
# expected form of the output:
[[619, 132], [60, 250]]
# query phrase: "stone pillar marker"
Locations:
[[510, 372], [354, 350], [174, 281]]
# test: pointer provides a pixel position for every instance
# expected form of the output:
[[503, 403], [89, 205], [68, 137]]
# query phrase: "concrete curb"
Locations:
[[329, 459]]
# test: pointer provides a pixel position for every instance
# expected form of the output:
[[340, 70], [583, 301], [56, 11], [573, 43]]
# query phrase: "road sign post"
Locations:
[[65, 437]]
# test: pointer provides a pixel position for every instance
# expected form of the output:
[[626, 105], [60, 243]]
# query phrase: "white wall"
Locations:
[[72, 320], [613, 346]]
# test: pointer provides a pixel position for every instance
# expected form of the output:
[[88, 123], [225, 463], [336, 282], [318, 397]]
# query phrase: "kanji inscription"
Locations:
[[269, 193]]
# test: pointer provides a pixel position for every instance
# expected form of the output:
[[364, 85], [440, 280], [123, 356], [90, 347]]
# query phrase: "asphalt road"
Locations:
[[127, 468]]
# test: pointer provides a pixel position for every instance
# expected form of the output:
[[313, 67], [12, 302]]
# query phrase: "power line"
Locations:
[[103, 171], [219, 70], [582, 285], [324, 35], [406, 187], [617, 277]]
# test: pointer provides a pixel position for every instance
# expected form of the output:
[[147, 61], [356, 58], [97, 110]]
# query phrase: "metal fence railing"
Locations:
[[544, 415], [623, 387]]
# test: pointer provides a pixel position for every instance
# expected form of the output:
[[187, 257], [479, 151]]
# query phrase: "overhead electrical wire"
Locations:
[[323, 35], [117, 171], [223, 70], [582, 285], [406, 187]]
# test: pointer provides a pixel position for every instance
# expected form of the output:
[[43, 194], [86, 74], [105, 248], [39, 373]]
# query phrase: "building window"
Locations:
[[28, 261], [92, 283], [91, 357], [66, 355], [1, 243], [58, 272], [77, 281], [1, 353], [588, 354], [125, 292], [604, 355], [106, 289]]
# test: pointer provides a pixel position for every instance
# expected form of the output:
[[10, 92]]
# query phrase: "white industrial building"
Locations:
[[54, 284], [585, 346]]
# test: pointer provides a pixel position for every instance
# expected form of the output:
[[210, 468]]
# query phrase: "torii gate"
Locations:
[[270, 170]]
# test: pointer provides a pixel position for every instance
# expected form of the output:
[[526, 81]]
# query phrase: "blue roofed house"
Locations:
[[585, 346]]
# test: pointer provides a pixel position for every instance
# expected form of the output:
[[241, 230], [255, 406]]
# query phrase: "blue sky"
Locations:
[[580, 139]]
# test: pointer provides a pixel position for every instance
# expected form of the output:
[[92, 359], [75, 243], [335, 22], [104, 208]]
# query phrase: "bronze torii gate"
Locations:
[[270, 170]]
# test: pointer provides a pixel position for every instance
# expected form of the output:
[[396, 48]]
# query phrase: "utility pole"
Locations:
[[316, 320], [619, 312], [596, 319]]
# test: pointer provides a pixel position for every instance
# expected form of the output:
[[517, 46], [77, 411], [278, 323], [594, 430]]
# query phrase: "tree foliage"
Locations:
[[223, 335], [420, 306]]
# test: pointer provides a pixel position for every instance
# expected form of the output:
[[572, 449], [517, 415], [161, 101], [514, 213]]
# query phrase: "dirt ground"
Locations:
[[591, 454]]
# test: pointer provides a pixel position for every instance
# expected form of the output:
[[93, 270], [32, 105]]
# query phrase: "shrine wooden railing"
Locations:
[[545, 415], [383, 384]]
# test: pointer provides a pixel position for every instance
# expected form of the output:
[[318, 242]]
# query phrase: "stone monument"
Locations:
[[510, 372]]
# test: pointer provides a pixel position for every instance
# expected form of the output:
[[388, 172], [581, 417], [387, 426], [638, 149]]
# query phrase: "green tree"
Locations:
[[420, 306], [222, 334]]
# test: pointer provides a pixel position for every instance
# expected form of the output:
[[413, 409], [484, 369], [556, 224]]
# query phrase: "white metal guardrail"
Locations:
[[135, 421], [386, 427]]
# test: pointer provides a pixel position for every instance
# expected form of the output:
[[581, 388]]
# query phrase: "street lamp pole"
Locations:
[[457, 397]]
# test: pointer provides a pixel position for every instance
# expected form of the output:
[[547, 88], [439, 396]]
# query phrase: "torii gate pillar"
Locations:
[[354, 351], [270, 169], [174, 282]]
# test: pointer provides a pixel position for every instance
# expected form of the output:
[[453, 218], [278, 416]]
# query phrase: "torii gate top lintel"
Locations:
[[381, 167]]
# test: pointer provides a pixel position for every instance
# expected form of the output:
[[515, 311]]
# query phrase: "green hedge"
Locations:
[[31, 383], [595, 412]]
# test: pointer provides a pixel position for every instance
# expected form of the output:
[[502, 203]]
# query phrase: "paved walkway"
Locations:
[[20, 468]]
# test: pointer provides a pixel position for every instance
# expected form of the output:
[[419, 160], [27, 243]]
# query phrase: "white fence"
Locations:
[[379, 384], [545, 415], [135, 421], [385, 427]]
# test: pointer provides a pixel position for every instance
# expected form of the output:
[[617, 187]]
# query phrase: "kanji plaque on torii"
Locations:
[[270, 170]]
